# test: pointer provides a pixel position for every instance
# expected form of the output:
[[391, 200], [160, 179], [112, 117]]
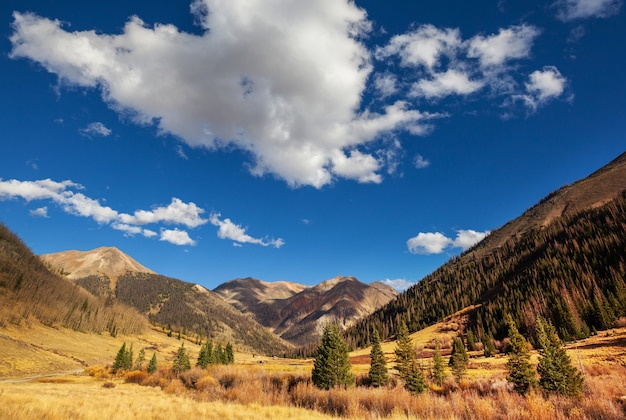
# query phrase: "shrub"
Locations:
[[136, 377]]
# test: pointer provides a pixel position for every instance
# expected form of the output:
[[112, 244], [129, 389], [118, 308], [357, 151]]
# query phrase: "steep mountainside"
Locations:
[[563, 259], [296, 312], [28, 289]]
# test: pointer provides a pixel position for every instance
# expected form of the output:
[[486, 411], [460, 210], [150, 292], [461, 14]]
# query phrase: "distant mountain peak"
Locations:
[[103, 261]]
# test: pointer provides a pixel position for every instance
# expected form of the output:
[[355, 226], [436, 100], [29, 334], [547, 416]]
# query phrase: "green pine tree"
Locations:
[[404, 351], [489, 349], [331, 367], [521, 373], [378, 366], [439, 366], [556, 373], [120, 359], [414, 380], [152, 366], [229, 354], [458, 359], [203, 357], [181, 362], [141, 359], [471, 341]]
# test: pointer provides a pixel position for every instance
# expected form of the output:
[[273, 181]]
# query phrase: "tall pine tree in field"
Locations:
[[181, 362], [378, 365], [439, 367], [152, 366], [556, 373], [331, 367], [406, 362], [521, 372], [459, 358]]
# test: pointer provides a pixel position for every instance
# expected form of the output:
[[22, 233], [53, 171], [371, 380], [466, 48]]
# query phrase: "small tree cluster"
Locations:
[[181, 362], [556, 373], [124, 358], [215, 355], [458, 359], [332, 367]]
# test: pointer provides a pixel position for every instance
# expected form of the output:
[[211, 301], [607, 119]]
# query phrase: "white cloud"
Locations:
[[428, 243], [95, 129], [420, 162], [386, 84], [282, 80], [437, 242], [543, 86], [64, 194], [450, 82], [399, 284], [510, 43], [229, 230], [40, 212], [568, 10], [177, 212], [176, 237]]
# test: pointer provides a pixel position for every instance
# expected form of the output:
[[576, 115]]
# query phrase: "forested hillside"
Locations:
[[572, 272], [29, 291], [184, 307]]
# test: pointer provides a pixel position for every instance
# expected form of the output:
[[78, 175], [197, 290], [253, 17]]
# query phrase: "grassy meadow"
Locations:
[[266, 387]]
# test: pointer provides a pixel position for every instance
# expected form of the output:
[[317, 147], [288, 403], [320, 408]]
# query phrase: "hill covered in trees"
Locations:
[[28, 290], [568, 266]]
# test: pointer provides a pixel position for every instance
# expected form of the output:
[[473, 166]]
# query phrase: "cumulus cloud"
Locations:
[[176, 237], [568, 10], [95, 129], [509, 43], [543, 86], [281, 80], [399, 284], [229, 230], [67, 196], [450, 82], [436, 242]]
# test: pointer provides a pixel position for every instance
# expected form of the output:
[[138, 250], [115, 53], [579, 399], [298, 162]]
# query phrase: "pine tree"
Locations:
[[404, 351], [152, 366], [331, 367], [459, 358], [414, 380], [203, 357], [471, 341], [556, 373], [181, 362], [229, 354], [521, 373], [141, 359], [120, 359], [489, 349], [439, 367], [378, 366]]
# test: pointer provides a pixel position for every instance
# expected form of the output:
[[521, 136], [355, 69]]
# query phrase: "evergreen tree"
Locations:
[[414, 380], [439, 367], [331, 367], [229, 354], [141, 359], [489, 349], [521, 373], [210, 353], [459, 358], [378, 366], [181, 362], [120, 359], [556, 373], [203, 357], [152, 366], [219, 354], [471, 341], [404, 351]]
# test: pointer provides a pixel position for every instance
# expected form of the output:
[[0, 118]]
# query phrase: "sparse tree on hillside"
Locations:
[[459, 358], [181, 362], [378, 366], [141, 359], [331, 367], [229, 354], [152, 366], [124, 358], [521, 373], [414, 380], [439, 367], [556, 373], [406, 362]]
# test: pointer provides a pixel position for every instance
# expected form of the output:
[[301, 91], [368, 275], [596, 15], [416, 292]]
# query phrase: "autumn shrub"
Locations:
[[175, 387], [136, 377], [191, 377], [108, 385], [98, 372]]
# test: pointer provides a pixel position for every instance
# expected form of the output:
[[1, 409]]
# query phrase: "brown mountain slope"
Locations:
[[28, 290], [593, 191], [562, 259], [181, 306], [297, 313]]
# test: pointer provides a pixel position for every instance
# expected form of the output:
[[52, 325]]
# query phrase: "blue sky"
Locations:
[[289, 140]]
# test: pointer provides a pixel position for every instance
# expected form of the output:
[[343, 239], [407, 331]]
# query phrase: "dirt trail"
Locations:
[[46, 375]]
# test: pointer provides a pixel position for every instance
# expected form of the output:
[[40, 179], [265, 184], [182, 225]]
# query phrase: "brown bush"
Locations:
[[98, 372], [136, 377], [108, 385], [175, 387]]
